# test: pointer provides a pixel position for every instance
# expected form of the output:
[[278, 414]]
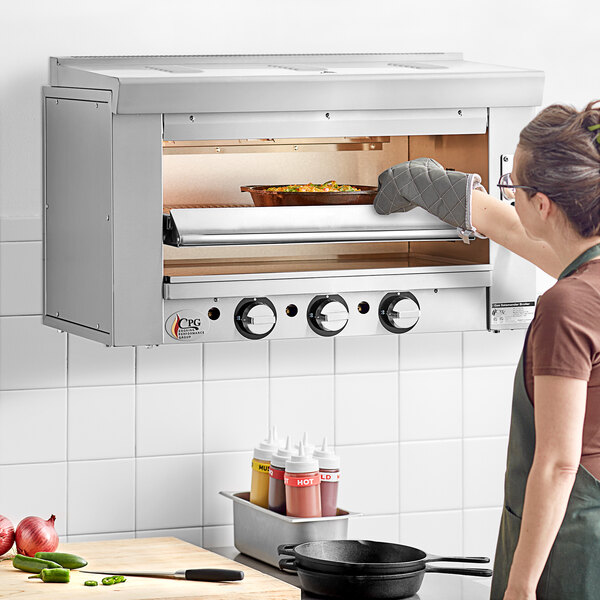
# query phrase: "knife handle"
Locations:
[[214, 575]]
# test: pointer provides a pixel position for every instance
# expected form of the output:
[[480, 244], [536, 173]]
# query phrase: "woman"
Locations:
[[549, 542]]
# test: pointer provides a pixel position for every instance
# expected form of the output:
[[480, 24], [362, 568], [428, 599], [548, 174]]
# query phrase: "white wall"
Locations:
[[126, 442]]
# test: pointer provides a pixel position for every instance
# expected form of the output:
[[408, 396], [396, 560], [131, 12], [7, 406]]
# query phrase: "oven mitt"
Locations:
[[424, 182]]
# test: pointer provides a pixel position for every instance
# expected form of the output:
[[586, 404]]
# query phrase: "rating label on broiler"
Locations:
[[512, 313]]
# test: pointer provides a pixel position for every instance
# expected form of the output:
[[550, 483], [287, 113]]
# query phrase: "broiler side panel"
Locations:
[[103, 221], [78, 212]]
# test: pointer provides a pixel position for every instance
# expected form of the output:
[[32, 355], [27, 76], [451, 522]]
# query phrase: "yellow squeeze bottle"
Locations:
[[261, 462]]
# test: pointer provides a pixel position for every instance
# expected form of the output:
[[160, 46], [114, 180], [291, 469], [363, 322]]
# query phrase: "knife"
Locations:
[[189, 574]]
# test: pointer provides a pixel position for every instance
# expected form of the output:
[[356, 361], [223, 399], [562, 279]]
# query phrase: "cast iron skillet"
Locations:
[[366, 587], [361, 557]]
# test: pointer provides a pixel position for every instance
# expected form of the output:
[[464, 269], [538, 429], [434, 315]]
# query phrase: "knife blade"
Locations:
[[189, 574]]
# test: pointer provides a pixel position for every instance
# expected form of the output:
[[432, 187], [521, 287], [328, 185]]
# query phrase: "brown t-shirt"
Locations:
[[564, 340]]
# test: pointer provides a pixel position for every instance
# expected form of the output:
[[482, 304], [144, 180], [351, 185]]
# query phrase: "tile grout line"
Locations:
[[67, 436], [203, 411], [462, 422], [135, 445]]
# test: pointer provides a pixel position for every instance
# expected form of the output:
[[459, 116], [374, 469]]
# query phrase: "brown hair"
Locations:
[[561, 159]]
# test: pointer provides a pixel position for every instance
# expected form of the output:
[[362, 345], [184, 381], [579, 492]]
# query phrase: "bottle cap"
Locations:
[[308, 448], [264, 451], [301, 463], [326, 457], [282, 455]]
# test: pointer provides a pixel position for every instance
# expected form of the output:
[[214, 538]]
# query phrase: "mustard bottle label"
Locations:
[[261, 467]]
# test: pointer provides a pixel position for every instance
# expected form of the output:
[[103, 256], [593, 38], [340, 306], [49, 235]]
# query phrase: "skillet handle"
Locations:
[[462, 559], [288, 564], [457, 571], [286, 549]]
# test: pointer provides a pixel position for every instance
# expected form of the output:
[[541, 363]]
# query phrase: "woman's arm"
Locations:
[[559, 414], [499, 221]]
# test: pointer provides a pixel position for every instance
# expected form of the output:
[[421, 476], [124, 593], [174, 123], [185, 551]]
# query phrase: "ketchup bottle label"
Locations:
[[276, 473], [304, 481], [330, 477]]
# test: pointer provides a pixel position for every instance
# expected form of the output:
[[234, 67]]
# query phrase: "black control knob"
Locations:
[[255, 318], [328, 315], [399, 312]]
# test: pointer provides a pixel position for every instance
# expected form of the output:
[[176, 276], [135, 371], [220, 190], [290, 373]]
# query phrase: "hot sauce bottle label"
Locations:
[[330, 477], [276, 473], [261, 467], [303, 481]]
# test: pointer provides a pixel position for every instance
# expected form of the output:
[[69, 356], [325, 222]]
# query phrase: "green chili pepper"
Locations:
[[113, 579], [53, 575], [67, 561], [90, 582], [33, 565]]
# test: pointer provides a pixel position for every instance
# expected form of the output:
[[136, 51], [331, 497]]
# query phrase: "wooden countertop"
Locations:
[[151, 554]]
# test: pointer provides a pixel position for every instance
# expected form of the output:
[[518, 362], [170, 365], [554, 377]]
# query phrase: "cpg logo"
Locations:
[[185, 325]]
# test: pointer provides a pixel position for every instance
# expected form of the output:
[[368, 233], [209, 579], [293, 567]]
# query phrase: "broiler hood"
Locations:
[[146, 227]]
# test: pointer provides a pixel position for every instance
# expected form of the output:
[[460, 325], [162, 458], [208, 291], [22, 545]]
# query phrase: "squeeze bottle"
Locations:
[[302, 485], [329, 469], [259, 488], [276, 475]]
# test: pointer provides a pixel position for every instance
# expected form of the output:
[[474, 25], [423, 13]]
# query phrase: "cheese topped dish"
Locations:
[[328, 186]]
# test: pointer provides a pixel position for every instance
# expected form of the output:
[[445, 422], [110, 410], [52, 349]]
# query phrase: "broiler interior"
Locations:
[[210, 174]]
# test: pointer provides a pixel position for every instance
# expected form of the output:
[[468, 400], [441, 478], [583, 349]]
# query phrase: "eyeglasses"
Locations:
[[509, 189]]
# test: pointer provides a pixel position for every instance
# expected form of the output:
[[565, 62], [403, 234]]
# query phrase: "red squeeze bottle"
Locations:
[[302, 486], [276, 475], [329, 469]]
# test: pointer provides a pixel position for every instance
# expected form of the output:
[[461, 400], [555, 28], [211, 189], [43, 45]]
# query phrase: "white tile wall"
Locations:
[[33, 426], [299, 404], [169, 362], [101, 422], [484, 465], [168, 492], [20, 495], [430, 404], [193, 535], [487, 400], [366, 354], [483, 349], [301, 357], [481, 531], [21, 268], [169, 419], [224, 472], [91, 363], [422, 436], [366, 408], [444, 351], [31, 355], [219, 536], [430, 476], [236, 414], [101, 496], [435, 532], [370, 478], [383, 528], [236, 360]]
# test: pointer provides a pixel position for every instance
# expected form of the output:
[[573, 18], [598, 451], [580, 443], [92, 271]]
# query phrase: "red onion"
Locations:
[[7, 535], [36, 535]]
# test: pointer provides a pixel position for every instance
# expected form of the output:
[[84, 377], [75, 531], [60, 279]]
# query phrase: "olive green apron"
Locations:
[[572, 570]]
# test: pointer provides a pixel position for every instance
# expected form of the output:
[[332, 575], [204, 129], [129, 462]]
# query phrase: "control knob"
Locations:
[[328, 315], [399, 312], [255, 318]]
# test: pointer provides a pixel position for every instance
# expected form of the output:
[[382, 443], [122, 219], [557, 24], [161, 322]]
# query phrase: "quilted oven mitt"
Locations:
[[424, 182]]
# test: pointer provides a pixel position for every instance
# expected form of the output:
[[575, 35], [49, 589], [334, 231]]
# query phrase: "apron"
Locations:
[[573, 566]]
